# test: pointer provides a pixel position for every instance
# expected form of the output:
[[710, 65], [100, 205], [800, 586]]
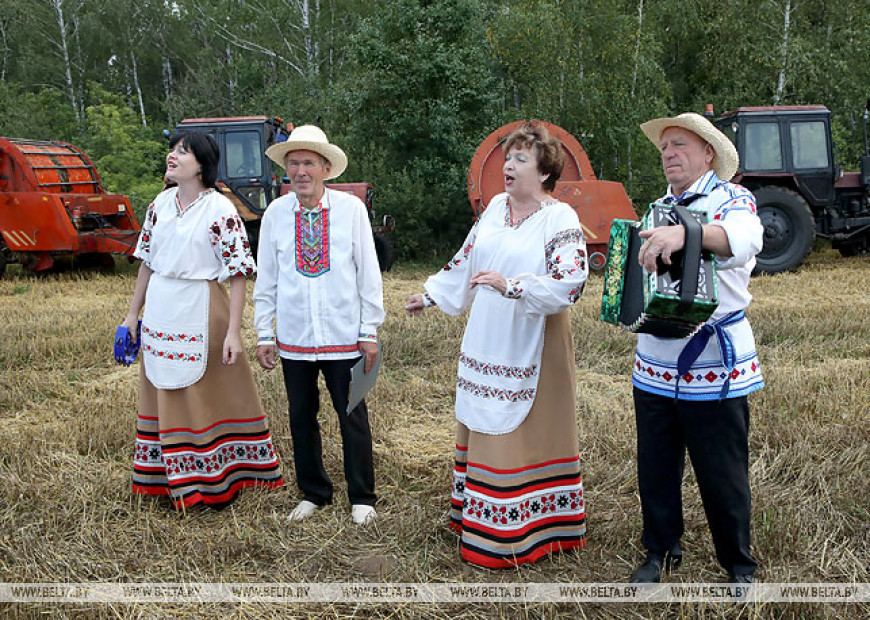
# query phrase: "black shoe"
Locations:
[[744, 578], [650, 571]]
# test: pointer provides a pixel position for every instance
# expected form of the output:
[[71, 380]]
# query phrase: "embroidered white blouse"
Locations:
[[319, 286], [733, 208], [185, 249], [205, 241], [543, 259]]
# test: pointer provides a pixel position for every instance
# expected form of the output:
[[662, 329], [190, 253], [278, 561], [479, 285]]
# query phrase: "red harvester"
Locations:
[[52, 205]]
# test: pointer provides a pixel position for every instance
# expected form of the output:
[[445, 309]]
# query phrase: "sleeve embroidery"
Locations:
[[232, 247], [561, 263], [462, 255], [428, 301], [147, 230], [514, 289], [739, 203]]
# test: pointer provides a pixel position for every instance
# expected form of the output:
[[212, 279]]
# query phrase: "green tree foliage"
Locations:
[[42, 114], [410, 87], [592, 69], [129, 157], [422, 99]]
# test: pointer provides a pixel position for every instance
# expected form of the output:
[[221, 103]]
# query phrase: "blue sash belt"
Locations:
[[699, 341]]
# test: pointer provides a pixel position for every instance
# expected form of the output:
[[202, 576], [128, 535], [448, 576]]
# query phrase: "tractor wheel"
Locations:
[[789, 230], [385, 252]]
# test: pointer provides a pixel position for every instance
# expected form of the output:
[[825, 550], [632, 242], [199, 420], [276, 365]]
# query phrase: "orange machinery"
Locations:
[[597, 202], [52, 204]]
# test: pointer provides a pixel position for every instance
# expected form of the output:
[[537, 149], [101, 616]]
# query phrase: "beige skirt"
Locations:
[[519, 496], [204, 443]]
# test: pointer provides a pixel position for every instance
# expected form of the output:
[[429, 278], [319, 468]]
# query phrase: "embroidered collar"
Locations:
[[322, 204], [508, 215], [704, 185], [316, 209], [180, 211]]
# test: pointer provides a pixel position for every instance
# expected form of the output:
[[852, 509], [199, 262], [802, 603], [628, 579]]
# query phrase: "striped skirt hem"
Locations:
[[206, 466], [510, 517]]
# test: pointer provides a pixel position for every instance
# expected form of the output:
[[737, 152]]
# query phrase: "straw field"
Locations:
[[67, 420]]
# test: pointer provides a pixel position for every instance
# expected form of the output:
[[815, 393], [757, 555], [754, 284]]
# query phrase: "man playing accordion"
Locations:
[[691, 393]]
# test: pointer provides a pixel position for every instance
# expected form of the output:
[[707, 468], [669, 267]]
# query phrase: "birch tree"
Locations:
[[783, 65], [59, 32]]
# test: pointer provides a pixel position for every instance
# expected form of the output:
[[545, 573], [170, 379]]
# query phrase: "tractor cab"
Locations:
[[786, 160], [791, 142], [245, 174]]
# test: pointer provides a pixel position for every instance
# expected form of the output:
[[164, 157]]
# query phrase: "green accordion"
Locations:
[[674, 300]]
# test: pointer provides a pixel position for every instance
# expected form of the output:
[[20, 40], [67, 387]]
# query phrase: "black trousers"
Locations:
[[303, 395], [716, 436]]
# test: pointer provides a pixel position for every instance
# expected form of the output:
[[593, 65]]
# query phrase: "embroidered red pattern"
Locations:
[[145, 235], [228, 237], [171, 336], [498, 370], [557, 266], [487, 391], [336, 348], [176, 356], [312, 242], [462, 255]]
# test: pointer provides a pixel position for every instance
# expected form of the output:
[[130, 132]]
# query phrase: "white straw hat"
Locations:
[[309, 138], [725, 160]]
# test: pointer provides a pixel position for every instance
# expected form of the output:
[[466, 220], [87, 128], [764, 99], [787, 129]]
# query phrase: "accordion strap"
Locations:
[[691, 256]]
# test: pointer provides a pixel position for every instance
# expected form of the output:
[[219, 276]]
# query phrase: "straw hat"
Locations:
[[309, 138], [725, 160]]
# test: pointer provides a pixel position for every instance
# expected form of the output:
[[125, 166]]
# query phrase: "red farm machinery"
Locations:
[[596, 202], [53, 207]]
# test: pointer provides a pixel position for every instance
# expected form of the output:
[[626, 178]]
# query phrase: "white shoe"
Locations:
[[362, 513], [302, 511]]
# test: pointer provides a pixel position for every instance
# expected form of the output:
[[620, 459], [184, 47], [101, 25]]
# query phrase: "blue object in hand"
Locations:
[[125, 349]]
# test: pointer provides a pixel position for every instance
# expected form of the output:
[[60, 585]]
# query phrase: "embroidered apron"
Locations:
[[500, 358], [175, 332]]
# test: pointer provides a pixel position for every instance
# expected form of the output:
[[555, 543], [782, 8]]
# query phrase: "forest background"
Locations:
[[409, 88]]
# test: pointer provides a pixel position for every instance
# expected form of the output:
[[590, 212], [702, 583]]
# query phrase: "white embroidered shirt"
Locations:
[[205, 241], [543, 259], [319, 287], [733, 208]]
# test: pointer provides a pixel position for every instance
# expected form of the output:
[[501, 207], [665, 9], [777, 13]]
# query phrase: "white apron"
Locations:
[[174, 345]]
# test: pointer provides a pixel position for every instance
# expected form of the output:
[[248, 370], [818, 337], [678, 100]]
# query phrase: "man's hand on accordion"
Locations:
[[665, 240], [662, 241]]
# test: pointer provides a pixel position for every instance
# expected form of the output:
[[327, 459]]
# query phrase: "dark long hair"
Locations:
[[204, 148]]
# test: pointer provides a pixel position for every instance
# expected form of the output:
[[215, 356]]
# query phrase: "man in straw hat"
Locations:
[[318, 302], [691, 393]]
